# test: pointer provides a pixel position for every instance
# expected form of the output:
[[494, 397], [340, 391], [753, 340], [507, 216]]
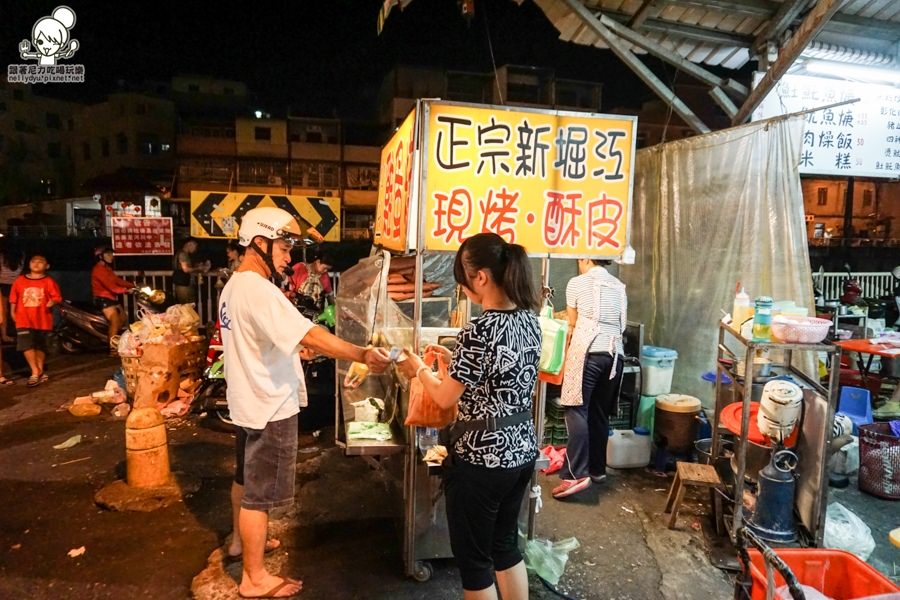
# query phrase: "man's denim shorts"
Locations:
[[265, 464]]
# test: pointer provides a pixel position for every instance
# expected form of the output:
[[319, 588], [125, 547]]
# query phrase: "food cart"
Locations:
[[559, 183]]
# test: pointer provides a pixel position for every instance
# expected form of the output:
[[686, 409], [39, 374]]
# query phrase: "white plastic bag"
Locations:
[[548, 559], [845, 531]]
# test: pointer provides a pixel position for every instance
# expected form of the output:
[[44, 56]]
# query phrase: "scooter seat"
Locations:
[[85, 306]]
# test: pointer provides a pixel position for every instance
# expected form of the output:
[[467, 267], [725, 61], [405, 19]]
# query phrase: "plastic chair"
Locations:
[[856, 403]]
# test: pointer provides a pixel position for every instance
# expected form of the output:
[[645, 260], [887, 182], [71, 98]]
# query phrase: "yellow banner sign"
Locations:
[[218, 214], [558, 184], [394, 187]]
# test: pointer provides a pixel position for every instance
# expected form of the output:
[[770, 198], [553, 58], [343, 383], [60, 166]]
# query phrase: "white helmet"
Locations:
[[269, 222]]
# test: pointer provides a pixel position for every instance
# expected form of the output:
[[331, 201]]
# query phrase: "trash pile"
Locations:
[[162, 358], [91, 405]]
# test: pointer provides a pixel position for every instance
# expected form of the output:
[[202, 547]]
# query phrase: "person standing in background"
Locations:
[[11, 262], [597, 307], [310, 277], [31, 298], [185, 268], [3, 379]]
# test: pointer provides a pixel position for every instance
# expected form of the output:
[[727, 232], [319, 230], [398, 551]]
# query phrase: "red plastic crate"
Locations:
[[836, 573]]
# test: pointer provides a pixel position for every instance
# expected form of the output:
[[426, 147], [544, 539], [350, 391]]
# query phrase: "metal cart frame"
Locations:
[[816, 528]]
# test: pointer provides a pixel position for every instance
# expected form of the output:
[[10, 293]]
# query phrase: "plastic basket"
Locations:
[[836, 573], [130, 367], [879, 461]]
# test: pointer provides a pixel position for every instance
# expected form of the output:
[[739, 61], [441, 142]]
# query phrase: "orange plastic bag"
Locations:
[[554, 379], [423, 411]]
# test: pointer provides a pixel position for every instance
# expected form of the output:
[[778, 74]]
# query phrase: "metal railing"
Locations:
[[208, 288], [873, 285]]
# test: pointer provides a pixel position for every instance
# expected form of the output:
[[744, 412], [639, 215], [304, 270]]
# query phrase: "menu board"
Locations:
[[559, 183], [860, 139], [142, 235], [394, 188]]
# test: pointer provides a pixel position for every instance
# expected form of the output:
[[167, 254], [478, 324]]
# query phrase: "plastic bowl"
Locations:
[[800, 330]]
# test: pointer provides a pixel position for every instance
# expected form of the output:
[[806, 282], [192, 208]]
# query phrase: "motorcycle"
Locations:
[[82, 326]]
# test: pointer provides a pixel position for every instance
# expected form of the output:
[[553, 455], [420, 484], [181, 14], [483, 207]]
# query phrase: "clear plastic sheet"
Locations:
[[707, 212]]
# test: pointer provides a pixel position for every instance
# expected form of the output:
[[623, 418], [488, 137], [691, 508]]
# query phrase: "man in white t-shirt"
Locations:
[[261, 335]]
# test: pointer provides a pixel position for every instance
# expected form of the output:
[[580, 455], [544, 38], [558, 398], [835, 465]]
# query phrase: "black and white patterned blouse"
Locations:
[[497, 360]]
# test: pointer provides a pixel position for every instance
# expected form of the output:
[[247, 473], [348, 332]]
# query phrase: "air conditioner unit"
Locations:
[[274, 180]]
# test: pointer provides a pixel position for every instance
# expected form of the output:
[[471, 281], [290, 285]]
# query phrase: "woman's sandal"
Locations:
[[6, 381], [34, 381]]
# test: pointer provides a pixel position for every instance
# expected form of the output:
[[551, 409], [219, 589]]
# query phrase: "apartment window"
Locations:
[[121, 143], [86, 150], [314, 137], [330, 176], [209, 170], [867, 198], [53, 121], [104, 147], [261, 172], [263, 134], [822, 196], [54, 150], [18, 95]]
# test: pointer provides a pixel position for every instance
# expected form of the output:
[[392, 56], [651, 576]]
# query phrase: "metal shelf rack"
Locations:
[[817, 439]]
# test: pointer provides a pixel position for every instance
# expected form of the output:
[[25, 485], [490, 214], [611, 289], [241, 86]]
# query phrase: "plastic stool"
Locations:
[[699, 475], [856, 403]]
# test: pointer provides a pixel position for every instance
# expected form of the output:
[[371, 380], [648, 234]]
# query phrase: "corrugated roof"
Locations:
[[722, 32]]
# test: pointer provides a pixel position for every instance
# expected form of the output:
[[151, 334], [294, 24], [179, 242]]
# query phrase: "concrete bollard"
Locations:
[[146, 449]]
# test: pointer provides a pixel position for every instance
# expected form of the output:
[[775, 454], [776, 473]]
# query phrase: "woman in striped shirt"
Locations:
[[596, 306]]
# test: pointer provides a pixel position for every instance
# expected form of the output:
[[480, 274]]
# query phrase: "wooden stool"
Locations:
[[693, 474]]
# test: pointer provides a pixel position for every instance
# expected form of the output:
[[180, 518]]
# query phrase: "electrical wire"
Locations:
[[487, 30]]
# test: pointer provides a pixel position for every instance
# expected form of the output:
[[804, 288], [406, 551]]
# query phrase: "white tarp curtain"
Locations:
[[710, 211]]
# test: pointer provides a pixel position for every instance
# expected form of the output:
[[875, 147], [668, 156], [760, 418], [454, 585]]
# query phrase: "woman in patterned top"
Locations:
[[492, 375]]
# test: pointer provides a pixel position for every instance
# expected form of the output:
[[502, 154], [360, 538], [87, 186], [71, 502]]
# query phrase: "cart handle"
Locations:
[[772, 560]]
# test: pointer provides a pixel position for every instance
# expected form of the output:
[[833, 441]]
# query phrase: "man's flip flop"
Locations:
[[230, 559], [33, 381], [44, 378], [6, 381], [273, 593]]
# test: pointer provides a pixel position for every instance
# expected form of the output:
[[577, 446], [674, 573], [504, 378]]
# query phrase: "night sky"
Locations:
[[321, 58]]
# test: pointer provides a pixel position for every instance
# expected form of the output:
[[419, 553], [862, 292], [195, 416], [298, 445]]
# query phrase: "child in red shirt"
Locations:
[[30, 299]]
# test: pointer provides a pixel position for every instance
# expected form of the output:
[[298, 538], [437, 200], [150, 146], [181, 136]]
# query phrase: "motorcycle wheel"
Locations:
[[68, 346], [208, 399], [223, 415]]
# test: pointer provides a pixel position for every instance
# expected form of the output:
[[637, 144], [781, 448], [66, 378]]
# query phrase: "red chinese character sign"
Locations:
[[557, 183], [394, 187], [142, 235]]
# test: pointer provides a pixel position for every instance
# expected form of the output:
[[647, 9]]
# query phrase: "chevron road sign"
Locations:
[[218, 214]]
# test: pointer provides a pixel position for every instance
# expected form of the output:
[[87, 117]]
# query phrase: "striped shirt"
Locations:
[[599, 296]]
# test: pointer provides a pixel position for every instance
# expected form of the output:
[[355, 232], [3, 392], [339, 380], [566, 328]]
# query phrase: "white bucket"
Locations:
[[779, 409]]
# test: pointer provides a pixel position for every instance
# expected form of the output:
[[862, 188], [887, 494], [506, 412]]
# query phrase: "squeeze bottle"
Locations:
[[741, 311]]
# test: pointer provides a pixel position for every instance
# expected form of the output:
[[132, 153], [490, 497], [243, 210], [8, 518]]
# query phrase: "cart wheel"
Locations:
[[423, 571]]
